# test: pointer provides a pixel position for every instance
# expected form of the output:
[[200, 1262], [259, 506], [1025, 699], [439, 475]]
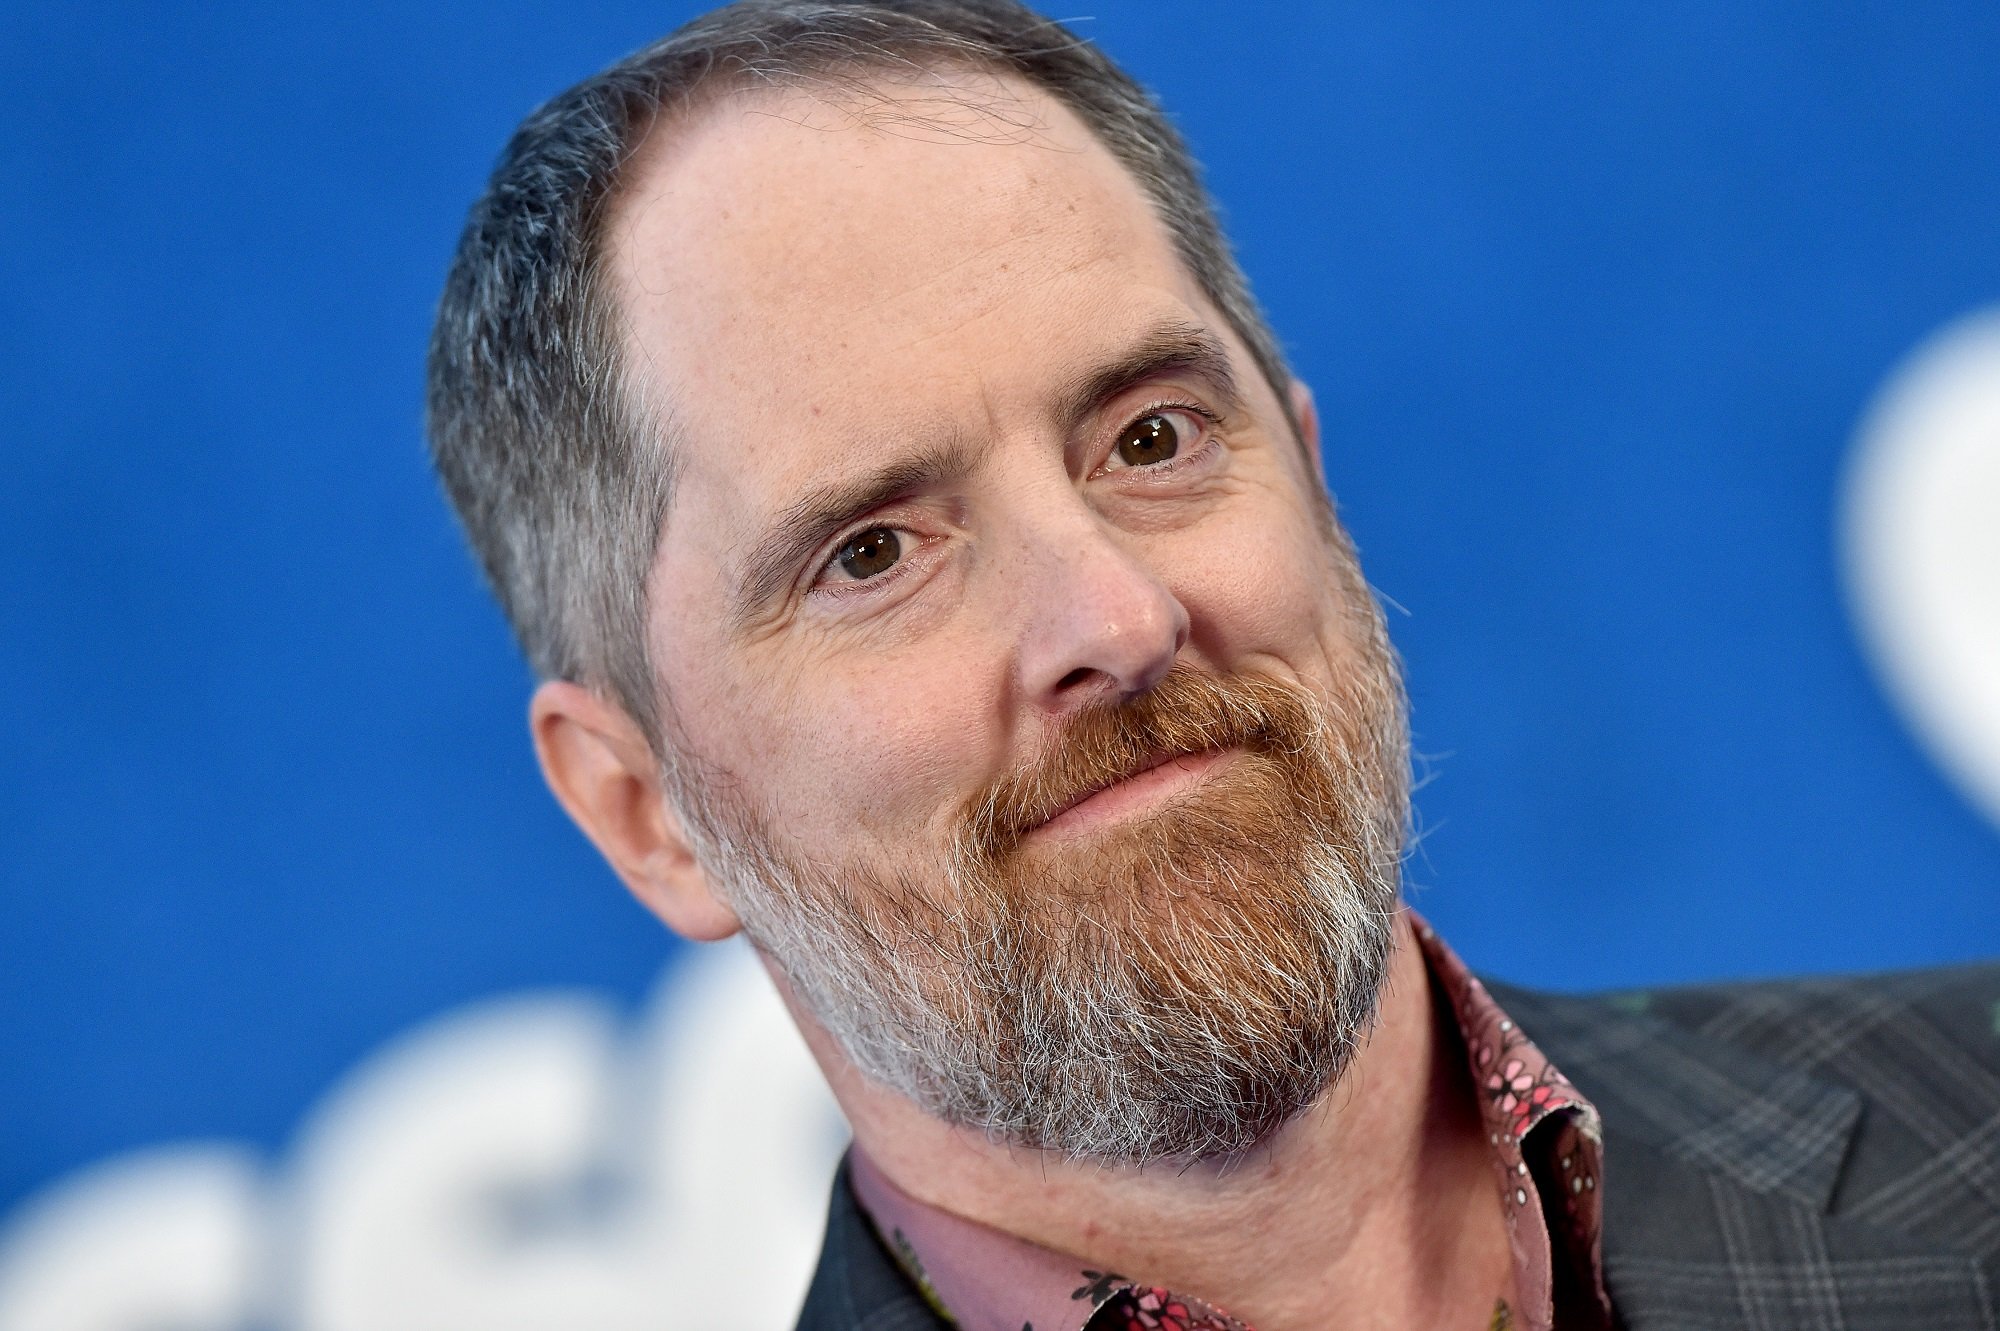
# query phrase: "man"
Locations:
[[925, 551]]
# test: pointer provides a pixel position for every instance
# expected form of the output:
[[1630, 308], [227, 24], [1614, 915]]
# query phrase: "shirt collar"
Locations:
[[1544, 1141]]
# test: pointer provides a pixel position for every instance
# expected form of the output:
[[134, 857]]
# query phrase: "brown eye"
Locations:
[[870, 554], [1149, 440]]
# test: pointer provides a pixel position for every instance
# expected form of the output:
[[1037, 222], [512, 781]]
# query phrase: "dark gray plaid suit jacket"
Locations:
[[1808, 1155]]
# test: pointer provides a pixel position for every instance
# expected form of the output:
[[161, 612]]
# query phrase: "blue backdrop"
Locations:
[[1593, 301]]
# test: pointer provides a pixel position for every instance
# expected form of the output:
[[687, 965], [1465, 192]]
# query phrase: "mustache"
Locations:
[[1188, 712]]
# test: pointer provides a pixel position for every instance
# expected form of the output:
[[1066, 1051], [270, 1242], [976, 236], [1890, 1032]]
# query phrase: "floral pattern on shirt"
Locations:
[[1547, 1151], [1150, 1308]]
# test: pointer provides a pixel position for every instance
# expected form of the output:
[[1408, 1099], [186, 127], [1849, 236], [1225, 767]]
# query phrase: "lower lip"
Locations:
[[1130, 795]]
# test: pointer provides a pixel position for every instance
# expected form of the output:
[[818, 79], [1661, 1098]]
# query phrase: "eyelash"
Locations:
[[869, 586], [865, 586], [1178, 460]]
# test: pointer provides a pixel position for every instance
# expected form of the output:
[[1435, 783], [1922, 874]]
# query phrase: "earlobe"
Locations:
[[601, 770]]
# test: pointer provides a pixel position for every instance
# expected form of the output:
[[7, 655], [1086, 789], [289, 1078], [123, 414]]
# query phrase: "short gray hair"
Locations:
[[559, 474]]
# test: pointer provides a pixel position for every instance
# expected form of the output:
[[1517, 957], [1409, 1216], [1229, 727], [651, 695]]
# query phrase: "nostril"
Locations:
[[1080, 675]]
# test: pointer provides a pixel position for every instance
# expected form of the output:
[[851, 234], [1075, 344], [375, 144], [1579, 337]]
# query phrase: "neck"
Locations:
[[1375, 1207]]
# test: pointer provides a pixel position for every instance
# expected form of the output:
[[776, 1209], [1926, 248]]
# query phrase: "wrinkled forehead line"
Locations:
[[957, 104], [936, 102], [939, 101]]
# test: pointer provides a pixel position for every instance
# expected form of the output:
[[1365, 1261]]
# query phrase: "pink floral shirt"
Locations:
[[1545, 1141]]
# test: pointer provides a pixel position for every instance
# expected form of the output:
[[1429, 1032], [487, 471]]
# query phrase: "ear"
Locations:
[[603, 773], [1307, 415]]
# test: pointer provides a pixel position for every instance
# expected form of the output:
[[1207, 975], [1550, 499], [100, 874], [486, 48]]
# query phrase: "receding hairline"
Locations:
[[864, 95], [553, 442]]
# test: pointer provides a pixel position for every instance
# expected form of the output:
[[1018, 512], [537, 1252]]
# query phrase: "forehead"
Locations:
[[872, 265]]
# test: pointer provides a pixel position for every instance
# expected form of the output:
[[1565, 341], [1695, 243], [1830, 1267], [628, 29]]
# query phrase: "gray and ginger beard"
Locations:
[[1176, 988]]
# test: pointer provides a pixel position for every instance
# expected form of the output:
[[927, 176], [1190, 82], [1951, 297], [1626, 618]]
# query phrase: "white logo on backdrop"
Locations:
[[527, 1164], [524, 1164], [1922, 545]]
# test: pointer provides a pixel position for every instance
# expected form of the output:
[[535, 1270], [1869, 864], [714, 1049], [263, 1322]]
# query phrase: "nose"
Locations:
[[1101, 624]]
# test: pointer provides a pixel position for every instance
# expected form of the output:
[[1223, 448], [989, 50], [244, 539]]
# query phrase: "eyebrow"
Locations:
[[1168, 349], [1172, 348], [812, 520]]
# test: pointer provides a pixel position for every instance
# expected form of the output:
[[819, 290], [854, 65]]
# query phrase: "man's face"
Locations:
[[970, 477]]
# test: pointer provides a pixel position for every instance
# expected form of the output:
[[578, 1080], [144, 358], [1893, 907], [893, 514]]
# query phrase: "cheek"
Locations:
[[833, 752], [889, 745], [869, 744], [1258, 580]]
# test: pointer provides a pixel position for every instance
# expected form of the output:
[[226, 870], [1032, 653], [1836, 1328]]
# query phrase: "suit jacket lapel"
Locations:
[[1719, 1170], [857, 1285]]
